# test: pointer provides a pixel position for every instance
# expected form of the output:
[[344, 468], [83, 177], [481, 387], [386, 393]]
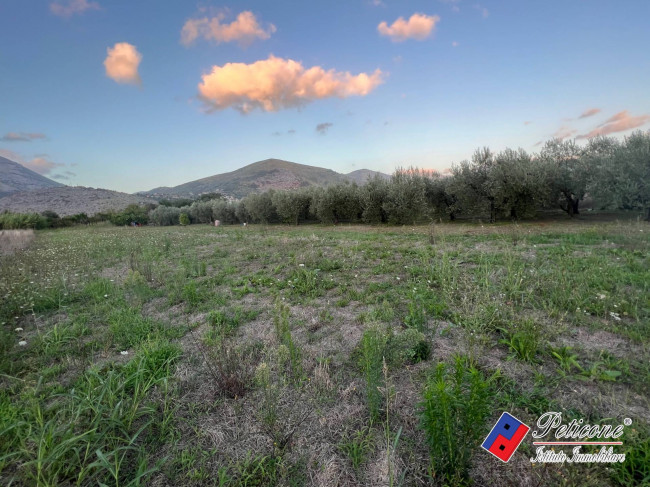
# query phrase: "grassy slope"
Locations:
[[182, 301]]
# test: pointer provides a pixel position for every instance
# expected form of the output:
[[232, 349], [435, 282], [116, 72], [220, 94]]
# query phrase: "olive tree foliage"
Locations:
[[165, 215], [260, 207], [224, 211], [621, 172], [518, 183], [568, 173], [200, 212], [472, 186], [292, 206], [241, 213], [440, 198], [372, 197], [405, 200], [337, 203]]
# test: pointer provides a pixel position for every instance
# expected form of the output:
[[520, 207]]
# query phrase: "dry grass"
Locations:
[[13, 240]]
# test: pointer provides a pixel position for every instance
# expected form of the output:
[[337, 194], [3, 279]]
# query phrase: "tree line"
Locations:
[[511, 184]]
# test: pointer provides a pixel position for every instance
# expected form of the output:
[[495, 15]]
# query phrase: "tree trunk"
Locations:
[[648, 217], [574, 205], [493, 217]]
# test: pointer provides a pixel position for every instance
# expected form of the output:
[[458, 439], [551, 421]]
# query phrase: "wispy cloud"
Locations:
[[40, 164], [564, 132], [122, 62], [244, 29], [322, 128], [418, 27], [589, 113], [276, 83], [21, 137], [72, 7], [620, 122]]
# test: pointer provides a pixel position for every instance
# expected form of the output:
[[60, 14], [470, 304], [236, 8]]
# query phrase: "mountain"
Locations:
[[69, 200], [361, 176], [15, 177], [258, 177]]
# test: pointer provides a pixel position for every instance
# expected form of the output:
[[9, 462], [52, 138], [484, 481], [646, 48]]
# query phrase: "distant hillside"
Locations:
[[68, 200], [15, 177], [258, 177], [361, 176]]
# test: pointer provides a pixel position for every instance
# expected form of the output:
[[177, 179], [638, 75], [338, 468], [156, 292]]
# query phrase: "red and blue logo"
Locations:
[[505, 437]]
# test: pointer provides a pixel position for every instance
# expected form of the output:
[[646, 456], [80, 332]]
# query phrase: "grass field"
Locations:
[[310, 355]]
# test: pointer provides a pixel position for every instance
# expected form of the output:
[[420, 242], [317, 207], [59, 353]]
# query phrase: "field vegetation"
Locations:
[[319, 355]]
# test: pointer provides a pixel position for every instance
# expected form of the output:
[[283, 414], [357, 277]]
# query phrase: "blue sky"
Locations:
[[499, 73]]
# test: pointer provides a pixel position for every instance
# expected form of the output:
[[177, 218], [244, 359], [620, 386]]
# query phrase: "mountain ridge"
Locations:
[[260, 176]]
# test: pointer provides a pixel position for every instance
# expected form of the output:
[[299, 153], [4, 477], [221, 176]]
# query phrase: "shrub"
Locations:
[[409, 346], [184, 219], [453, 412]]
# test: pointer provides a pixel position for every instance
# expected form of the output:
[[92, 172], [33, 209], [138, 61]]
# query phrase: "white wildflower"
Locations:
[[18, 329], [22, 343], [124, 352]]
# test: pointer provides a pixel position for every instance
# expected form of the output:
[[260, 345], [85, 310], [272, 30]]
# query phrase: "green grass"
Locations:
[[560, 309]]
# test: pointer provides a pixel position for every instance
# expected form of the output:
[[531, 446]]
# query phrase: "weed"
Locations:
[[373, 348], [357, 446], [456, 404]]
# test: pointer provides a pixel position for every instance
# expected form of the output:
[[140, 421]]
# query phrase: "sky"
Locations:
[[131, 95]]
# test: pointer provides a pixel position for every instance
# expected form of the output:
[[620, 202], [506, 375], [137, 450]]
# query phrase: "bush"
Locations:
[[165, 215], [455, 406], [184, 219]]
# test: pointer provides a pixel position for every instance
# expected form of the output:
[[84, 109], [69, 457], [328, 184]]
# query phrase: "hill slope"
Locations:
[[15, 177], [68, 200], [361, 176], [258, 177]]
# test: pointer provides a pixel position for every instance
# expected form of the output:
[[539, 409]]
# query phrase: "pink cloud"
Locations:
[[418, 27], [276, 83], [620, 122], [40, 164], [21, 137], [589, 113], [245, 29], [72, 7], [122, 63], [564, 132]]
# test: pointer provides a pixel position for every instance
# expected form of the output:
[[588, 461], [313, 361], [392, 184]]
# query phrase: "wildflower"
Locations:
[[397, 278], [124, 352], [18, 329], [602, 296], [301, 265], [105, 295], [616, 316], [22, 343]]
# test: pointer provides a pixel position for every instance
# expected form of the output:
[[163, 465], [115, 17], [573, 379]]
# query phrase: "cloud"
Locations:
[[418, 27], [244, 30], [21, 137], [620, 122], [454, 44], [377, 3], [564, 132], [590, 112], [322, 128], [72, 7], [40, 163], [291, 131], [527, 122], [122, 63], [276, 83]]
